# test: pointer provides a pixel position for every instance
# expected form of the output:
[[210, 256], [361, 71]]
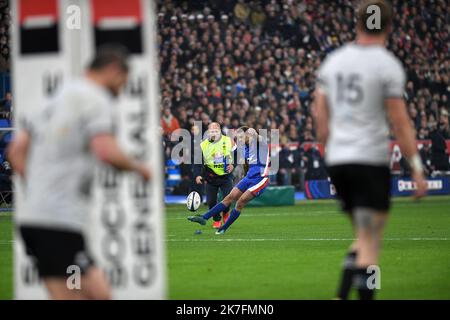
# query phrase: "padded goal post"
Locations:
[[125, 232]]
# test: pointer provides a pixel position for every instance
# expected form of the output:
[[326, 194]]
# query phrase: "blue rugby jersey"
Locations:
[[257, 155]]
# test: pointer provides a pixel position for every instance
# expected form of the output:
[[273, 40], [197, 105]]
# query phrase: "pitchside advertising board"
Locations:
[[400, 186], [324, 189], [406, 187], [126, 229]]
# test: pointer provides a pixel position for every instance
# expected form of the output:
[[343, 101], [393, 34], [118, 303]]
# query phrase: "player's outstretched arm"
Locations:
[[106, 149], [404, 133], [321, 116], [18, 151]]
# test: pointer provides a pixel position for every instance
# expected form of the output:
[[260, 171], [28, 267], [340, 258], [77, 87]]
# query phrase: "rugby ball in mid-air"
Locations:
[[193, 201]]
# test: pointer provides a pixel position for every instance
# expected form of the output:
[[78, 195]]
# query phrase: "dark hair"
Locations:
[[386, 15], [108, 54]]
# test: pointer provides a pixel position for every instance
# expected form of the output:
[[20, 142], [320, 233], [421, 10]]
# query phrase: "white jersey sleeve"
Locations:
[[393, 78], [98, 116]]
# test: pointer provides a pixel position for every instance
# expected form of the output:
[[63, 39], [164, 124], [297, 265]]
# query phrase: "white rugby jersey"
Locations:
[[356, 80], [60, 167]]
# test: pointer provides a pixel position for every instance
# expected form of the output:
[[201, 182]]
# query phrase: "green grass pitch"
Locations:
[[293, 253]]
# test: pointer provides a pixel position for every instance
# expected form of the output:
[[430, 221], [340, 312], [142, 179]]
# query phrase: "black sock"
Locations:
[[360, 282], [217, 217], [347, 275]]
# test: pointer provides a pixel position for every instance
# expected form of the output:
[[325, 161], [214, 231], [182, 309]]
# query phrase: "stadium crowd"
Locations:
[[254, 62], [5, 20]]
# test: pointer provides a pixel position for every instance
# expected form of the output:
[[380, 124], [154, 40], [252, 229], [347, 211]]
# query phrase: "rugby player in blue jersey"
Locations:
[[256, 153]]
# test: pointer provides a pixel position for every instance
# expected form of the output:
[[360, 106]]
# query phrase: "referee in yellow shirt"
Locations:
[[216, 169]]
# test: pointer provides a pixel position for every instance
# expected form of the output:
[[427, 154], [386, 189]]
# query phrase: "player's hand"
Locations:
[[199, 180], [421, 185], [230, 168], [143, 171]]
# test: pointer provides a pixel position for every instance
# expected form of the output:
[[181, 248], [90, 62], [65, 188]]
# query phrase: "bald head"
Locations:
[[251, 132], [214, 131], [214, 125]]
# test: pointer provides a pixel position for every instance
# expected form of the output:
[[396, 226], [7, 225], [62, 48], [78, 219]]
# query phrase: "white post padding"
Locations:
[[126, 231]]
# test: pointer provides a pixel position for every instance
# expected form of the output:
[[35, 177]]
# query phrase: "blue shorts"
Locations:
[[255, 185]]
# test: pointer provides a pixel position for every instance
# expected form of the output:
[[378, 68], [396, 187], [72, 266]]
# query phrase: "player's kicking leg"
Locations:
[[245, 198], [253, 188], [224, 205]]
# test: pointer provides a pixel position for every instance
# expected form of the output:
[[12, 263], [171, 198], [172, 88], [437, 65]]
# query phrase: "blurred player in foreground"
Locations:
[[257, 158], [360, 87], [56, 153]]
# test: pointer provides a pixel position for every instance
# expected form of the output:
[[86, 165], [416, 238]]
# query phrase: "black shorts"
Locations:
[[55, 250], [359, 185]]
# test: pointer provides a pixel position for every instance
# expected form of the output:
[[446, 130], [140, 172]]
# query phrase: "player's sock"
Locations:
[[217, 217], [233, 216], [348, 271], [218, 208], [360, 282], [225, 216]]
